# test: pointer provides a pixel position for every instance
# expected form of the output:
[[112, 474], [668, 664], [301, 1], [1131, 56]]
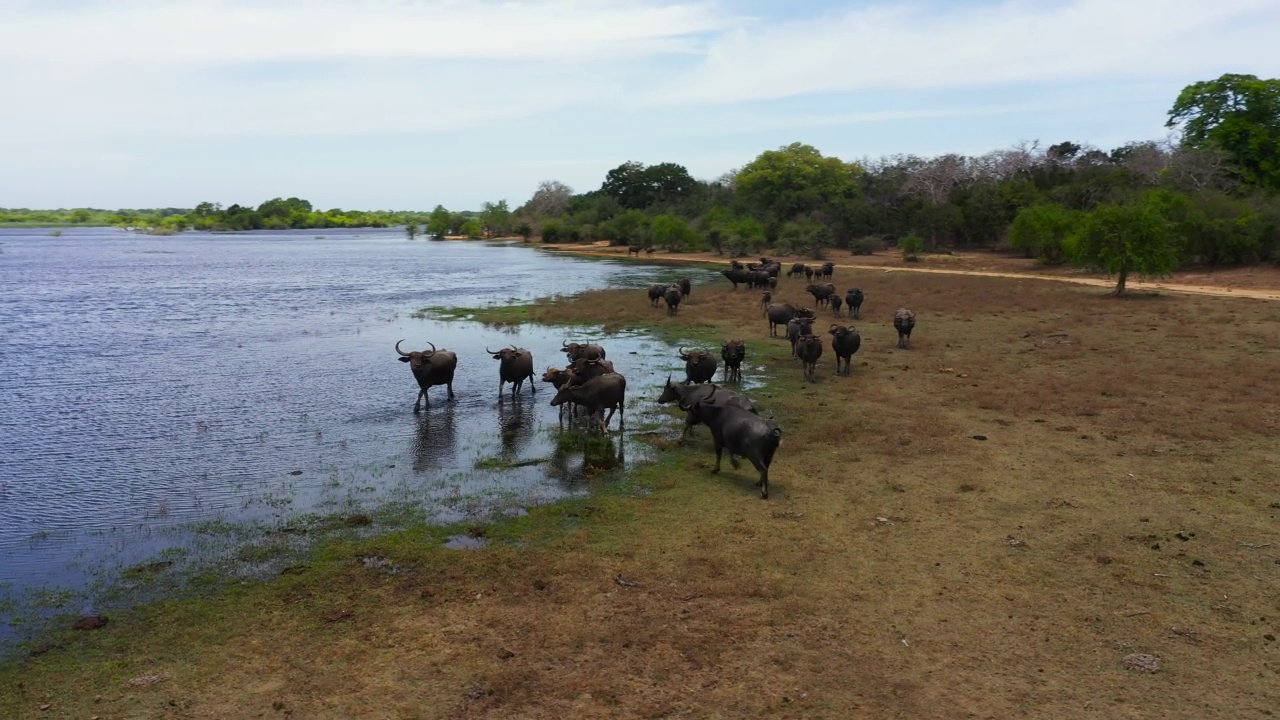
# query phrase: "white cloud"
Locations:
[[928, 46]]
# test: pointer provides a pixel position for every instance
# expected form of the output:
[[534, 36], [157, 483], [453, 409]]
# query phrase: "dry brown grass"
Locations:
[[901, 568]]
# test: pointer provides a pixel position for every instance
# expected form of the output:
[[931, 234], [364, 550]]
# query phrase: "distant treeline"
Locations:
[[276, 214], [1210, 196]]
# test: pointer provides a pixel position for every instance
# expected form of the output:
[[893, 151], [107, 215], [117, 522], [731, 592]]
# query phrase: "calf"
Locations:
[[853, 299], [835, 304], [845, 341], [558, 379], [733, 352], [904, 321], [766, 299], [809, 349], [686, 394], [597, 394], [744, 433], [699, 366], [673, 296], [795, 328], [686, 287], [655, 294]]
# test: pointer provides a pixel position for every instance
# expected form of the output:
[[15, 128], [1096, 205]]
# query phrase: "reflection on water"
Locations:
[[156, 387]]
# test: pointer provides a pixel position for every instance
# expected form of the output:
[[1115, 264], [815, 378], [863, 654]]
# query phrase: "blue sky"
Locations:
[[403, 104]]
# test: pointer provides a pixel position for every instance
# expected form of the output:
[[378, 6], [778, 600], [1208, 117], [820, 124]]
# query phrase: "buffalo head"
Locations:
[[417, 357]]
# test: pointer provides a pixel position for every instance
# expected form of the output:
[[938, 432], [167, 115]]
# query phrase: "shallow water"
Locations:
[[154, 389]]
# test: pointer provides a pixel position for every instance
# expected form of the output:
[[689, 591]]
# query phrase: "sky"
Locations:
[[406, 104]]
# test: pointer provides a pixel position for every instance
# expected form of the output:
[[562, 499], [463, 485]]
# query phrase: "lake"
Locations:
[[155, 391]]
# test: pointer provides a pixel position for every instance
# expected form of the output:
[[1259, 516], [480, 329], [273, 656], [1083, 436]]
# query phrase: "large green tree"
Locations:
[[496, 218], [1043, 231], [795, 180], [439, 222], [1133, 237], [636, 186], [1239, 114]]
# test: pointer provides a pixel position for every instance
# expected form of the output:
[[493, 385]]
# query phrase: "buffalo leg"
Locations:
[[417, 402], [500, 384], [719, 450], [533, 386], [450, 387]]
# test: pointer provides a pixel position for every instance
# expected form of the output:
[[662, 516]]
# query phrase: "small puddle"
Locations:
[[466, 542]]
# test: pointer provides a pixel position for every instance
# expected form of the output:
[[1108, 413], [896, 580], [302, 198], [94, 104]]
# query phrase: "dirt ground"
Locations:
[[1048, 484]]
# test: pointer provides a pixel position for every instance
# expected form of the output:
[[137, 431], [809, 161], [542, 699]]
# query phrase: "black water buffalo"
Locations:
[[699, 366], [809, 273], [809, 349], [733, 352], [655, 294], [558, 379], [673, 296], [607, 391], [737, 276], [845, 341], [686, 287], [758, 279], [430, 368], [827, 270], [782, 314], [634, 250], [688, 394], [516, 364], [821, 293], [744, 433], [773, 282], [735, 265], [853, 299], [584, 369], [765, 300], [796, 269], [797, 327], [904, 321], [574, 350], [835, 303]]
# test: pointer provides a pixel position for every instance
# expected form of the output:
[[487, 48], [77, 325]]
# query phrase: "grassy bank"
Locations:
[[985, 525]]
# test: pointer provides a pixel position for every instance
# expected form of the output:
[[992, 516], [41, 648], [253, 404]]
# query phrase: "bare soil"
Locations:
[[991, 524]]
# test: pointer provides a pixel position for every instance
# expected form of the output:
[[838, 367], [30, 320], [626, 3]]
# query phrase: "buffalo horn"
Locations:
[[433, 349], [486, 347], [401, 351]]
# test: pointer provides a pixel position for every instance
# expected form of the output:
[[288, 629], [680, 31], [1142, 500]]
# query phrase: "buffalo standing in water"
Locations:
[[743, 432], [597, 394], [733, 352], [699, 366], [673, 296], [430, 368], [516, 364]]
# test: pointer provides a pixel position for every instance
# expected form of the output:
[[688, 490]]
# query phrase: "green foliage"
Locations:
[[439, 222], [471, 228], [675, 234], [1043, 231], [496, 218], [411, 230], [553, 231], [1239, 114], [805, 237], [911, 247], [1134, 237], [869, 245], [524, 230], [634, 186], [795, 180], [629, 228]]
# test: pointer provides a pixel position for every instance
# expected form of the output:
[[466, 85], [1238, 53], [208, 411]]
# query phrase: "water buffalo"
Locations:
[[766, 299], [782, 314], [796, 269], [584, 369], [597, 394], [737, 276], [733, 352], [809, 349], [655, 294], [853, 299], [835, 303], [821, 293], [773, 282], [673, 296], [904, 321], [558, 379], [744, 433], [758, 279], [634, 250], [809, 273], [686, 287], [574, 350], [797, 327], [827, 270], [688, 394], [845, 341], [699, 366], [648, 250], [735, 265], [515, 365], [430, 368]]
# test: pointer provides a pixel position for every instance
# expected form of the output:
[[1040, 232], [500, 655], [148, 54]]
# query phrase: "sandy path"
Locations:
[[1133, 285]]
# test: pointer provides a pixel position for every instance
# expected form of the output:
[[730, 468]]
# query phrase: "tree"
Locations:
[[411, 229], [1134, 237], [795, 180], [496, 218], [675, 234], [471, 228], [524, 230], [1240, 114], [635, 186], [79, 215], [550, 199], [911, 247], [1043, 231], [439, 222]]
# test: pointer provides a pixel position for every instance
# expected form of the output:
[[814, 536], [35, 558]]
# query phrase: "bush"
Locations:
[[552, 231], [911, 247], [866, 246]]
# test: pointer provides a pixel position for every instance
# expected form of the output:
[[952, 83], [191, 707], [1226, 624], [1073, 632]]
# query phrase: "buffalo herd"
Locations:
[[589, 385]]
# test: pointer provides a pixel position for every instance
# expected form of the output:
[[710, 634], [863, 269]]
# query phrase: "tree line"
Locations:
[[1208, 195], [274, 214]]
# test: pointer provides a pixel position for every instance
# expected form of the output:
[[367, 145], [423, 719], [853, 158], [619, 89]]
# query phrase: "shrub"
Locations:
[[911, 247]]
